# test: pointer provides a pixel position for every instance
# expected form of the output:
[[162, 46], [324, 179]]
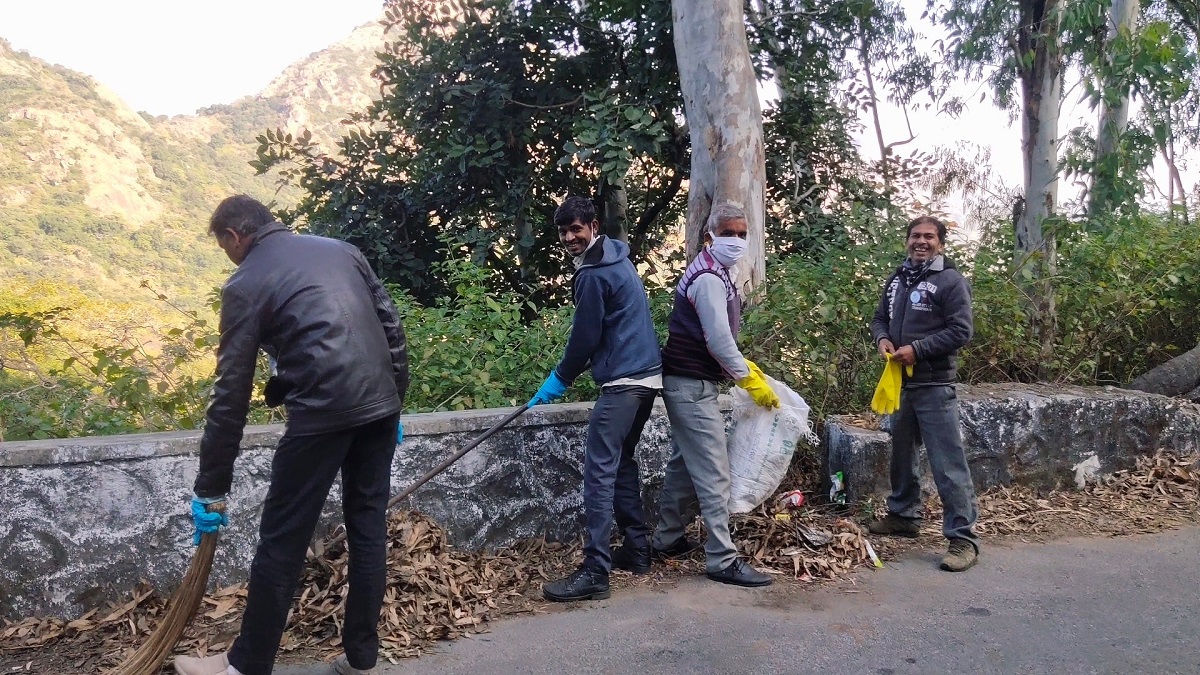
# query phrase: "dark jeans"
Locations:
[[930, 414], [611, 483], [302, 472]]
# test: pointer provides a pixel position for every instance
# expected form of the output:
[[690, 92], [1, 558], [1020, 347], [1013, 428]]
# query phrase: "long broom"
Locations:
[[180, 609], [184, 602]]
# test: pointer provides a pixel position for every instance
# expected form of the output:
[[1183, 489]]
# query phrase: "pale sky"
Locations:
[[167, 57], [174, 57], [985, 125]]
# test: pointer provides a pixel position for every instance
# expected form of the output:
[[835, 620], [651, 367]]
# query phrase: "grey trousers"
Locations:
[[698, 471], [930, 414]]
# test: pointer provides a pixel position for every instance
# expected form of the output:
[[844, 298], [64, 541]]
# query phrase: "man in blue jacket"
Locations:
[[923, 319], [613, 334]]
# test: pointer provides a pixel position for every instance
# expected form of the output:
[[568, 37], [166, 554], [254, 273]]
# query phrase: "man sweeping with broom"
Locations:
[[317, 308]]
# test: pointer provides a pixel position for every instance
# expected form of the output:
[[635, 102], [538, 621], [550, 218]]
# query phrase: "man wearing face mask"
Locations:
[[612, 333], [700, 353], [923, 319]]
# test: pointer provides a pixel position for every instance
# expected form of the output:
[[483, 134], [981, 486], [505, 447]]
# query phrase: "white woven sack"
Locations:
[[761, 444]]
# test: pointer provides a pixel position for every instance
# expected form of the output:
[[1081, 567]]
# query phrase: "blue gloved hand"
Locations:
[[551, 389], [207, 521], [399, 432]]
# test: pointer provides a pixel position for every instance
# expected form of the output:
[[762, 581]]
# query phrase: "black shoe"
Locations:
[[679, 549], [634, 559], [584, 583], [740, 573]]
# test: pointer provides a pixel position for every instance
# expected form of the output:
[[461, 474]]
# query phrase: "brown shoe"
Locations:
[[960, 556], [217, 664], [892, 525]]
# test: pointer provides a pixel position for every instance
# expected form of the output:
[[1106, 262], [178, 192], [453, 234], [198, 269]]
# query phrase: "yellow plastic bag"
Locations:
[[887, 393]]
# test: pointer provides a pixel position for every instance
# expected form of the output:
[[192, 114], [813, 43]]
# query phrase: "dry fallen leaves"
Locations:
[[438, 592], [1160, 492]]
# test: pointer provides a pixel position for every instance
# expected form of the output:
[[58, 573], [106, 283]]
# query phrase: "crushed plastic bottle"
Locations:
[[837, 488]]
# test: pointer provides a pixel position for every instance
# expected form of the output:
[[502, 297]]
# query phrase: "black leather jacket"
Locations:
[[318, 308]]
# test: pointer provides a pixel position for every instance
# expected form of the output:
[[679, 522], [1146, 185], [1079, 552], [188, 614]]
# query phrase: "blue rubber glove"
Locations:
[[206, 521], [551, 389], [399, 432]]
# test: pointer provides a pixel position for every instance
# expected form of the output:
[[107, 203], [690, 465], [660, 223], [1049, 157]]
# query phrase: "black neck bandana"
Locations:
[[912, 273]]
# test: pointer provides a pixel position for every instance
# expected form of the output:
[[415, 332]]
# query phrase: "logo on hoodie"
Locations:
[[921, 299]]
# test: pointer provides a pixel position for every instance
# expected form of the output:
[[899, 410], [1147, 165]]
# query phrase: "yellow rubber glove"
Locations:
[[756, 385], [887, 393]]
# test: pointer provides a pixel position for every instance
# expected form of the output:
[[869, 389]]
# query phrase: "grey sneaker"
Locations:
[[892, 525], [341, 666], [960, 556], [217, 664]]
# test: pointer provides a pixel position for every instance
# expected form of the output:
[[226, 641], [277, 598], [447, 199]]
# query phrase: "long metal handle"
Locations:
[[429, 475], [457, 456]]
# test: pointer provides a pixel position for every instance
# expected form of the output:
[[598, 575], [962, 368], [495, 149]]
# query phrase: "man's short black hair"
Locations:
[[575, 208], [927, 220], [240, 213]]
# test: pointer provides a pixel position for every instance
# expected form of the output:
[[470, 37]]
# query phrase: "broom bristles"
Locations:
[[181, 608], [186, 600]]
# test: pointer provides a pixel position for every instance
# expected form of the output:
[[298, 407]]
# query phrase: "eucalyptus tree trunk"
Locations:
[[1113, 119], [720, 94], [614, 210], [1041, 90]]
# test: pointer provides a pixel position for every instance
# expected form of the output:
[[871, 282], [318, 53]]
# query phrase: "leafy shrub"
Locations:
[[1126, 302], [1127, 299], [812, 328], [481, 348], [64, 376]]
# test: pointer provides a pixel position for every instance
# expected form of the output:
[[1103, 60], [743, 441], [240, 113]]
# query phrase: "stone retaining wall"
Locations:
[[82, 520], [1038, 435]]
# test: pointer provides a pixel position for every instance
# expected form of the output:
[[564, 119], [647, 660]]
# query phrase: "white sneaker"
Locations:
[[341, 666], [217, 664]]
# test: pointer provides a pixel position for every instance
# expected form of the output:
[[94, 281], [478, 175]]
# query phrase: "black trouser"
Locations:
[[302, 472], [611, 484]]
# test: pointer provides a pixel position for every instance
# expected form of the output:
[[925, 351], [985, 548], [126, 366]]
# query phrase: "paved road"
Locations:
[[1128, 605]]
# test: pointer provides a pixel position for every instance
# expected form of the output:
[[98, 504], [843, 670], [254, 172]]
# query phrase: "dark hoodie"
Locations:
[[612, 330], [933, 315]]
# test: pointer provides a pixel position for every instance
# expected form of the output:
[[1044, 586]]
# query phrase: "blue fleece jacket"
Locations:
[[612, 331]]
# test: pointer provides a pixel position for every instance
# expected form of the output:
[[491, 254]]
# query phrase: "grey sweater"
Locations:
[[707, 294]]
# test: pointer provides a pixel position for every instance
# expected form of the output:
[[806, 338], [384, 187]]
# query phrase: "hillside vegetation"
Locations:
[[106, 273], [99, 198]]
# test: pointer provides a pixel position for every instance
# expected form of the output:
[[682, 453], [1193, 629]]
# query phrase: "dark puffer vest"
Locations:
[[686, 353]]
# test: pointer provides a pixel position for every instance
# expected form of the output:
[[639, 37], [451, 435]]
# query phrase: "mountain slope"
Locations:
[[99, 197]]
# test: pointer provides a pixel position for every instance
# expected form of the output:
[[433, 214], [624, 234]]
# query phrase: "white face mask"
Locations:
[[727, 250]]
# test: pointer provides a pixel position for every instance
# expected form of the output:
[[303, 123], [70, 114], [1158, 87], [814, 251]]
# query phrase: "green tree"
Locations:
[[492, 112], [1025, 39], [830, 62], [1149, 56]]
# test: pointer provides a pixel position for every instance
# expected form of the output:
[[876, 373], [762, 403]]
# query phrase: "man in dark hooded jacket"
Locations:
[[923, 319], [316, 307], [612, 333]]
